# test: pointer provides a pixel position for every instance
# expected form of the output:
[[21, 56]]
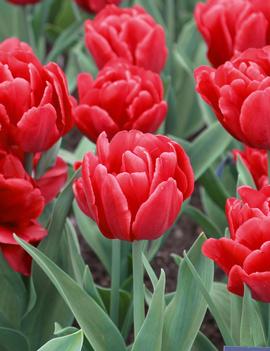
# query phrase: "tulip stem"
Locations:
[[115, 280], [138, 286], [28, 163]]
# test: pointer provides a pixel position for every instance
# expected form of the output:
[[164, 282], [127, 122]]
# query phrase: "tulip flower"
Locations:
[[35, 107], [245, 255], [238, 93], [232, 26], [127, 33], [21, 204], [122, 97], [134, 187]]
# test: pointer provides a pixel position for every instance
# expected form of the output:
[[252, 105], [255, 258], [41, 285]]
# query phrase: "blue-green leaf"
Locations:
[[100, 330]]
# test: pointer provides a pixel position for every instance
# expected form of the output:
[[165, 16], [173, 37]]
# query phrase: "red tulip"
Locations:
[[252, 203], [232, 26], [243, 256], [127, 33], [135, 185], [245, 259], [122, 97], [96, 5], [20, 206], [35, 107], [238, 92], [23, 2], [257, 163], [53, 180]]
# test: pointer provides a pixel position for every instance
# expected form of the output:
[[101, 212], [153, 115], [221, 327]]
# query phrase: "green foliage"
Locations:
[[185, 312], [72, 342], [100, 331]]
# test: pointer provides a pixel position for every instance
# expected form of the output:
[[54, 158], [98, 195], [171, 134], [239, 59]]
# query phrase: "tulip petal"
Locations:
[[253, 32], [85, 82], [20, 201], [152, 52], [225, 252], [93, 120], [259, 283], [254, 232], [53, 180], [158, 213], [135, 187], [151, 119], [116, 208], [98, 45], [15, 255], [255, 119], [132, 163], [37, 129], [164, 169]]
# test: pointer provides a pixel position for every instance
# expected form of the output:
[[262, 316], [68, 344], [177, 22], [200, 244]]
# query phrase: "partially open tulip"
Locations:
[[21, 204], [135, 185], [239, 92], [232, 26], [127, 33], [252, 203], [122, 97], [257, 163], [246, 258], [35, 107], [95, 5]]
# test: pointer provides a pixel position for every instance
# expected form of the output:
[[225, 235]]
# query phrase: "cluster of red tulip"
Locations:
[[133, 186], [238, 90], [125, 186]]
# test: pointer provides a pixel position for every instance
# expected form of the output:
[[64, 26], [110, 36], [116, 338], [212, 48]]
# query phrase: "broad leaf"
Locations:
[[72, 342], [96, 325], [150, 334], [186, 311]]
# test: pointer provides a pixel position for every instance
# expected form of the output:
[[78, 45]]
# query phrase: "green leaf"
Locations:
[[84, 146], [202, 343], [67, 37], [214, 212], [100, 330], [208, 147], [235, 316], [49, 306], [214, 188], [212, 307], [251, 330], [150, 334], [72, 342], [245, 177], [185, 313], [125, 300], [209, 227], [13, 340], [90, 287], [13, 296], [98, 243], [221, 299], [151, 273], [47, 160]]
